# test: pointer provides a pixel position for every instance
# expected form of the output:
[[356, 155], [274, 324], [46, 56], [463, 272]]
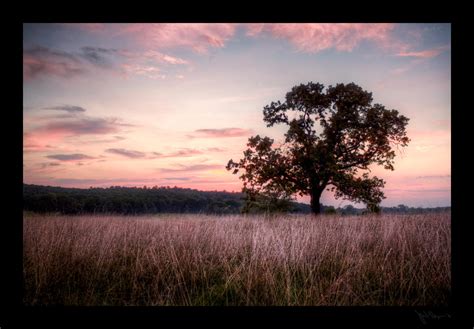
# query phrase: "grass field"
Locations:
[[236, 260]]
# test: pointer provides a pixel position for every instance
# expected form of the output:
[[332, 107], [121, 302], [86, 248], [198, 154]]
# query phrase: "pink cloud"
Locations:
[[215, 149], [148, 71], [69, 157], [310, 37], [148, 63], [407, 66], [82, 126], [32, 143], [316, 37], [197, 36], [224, 132], [113, 139], [437, 185], [50, 64], [41, 140], [126, 153], [192, 168], [184, 153], [48, 132], [163, 58], [424, 53]]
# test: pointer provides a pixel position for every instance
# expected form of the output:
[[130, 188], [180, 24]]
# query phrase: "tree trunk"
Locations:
[[315, 206]]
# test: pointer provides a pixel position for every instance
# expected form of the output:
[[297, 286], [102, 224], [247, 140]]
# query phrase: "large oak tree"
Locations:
[[333, 136]]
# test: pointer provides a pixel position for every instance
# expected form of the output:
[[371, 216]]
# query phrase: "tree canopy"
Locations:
[[334, 135]]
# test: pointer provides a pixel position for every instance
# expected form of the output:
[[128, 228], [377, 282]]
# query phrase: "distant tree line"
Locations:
[[136, 200], [151, 200], [400, 209]]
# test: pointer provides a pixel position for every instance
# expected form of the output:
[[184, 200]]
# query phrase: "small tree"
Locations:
[[333, 136]]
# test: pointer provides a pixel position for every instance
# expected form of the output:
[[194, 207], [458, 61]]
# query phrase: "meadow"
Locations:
[[288, 260]]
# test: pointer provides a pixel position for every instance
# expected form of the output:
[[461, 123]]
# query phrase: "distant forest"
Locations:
[[152, 200]]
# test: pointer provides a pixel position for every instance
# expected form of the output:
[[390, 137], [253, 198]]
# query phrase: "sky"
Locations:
[[170, 104]]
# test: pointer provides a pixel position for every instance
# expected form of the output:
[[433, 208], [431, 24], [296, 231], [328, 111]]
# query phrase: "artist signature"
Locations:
[[425, 316]]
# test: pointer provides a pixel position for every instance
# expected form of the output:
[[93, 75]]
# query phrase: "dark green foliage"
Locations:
[[135, 200], [330, 210], [333, 136], [402, 209], [128, 200], [268, 203]]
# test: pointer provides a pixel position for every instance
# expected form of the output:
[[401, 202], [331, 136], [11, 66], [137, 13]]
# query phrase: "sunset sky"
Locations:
[[170, 104]]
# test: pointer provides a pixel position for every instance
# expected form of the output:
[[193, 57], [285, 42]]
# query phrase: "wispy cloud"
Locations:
[[162, 58], [32, 144], [127, 153], [434, 177], [199, 37], [196, 36], [45, 131], [49, 164], [66, 108], [114, 139], [220, 133], [184, 153], [420, 190], [316, 37], [177, 178], [416, 58], [215, 149], [192, 168], [83, 126], [69, 157], [429, 53], [148, 71], [40, 61], [98, 56]]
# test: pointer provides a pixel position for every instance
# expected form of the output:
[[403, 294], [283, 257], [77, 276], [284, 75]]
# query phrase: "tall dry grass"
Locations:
[[236, 260]]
